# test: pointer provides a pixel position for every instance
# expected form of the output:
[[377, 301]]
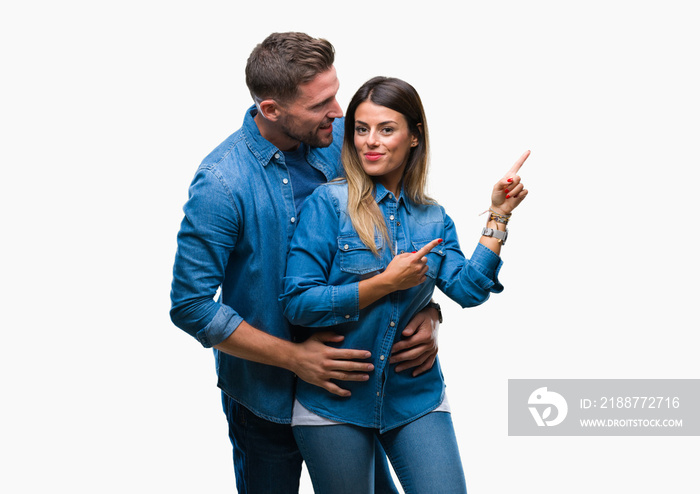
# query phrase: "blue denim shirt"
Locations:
[[239, 220], [327, 260]]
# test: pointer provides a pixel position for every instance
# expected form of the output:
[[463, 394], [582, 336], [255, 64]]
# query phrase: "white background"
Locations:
[[108, 108]]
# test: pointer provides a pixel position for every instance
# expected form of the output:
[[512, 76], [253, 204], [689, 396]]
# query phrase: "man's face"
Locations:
[[309, 117]]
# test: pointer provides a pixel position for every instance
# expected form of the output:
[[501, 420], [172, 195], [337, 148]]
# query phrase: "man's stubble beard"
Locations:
[[311, 139]]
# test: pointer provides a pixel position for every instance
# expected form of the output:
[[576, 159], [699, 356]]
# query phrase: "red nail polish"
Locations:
[[510, 180], [413, 252], [439, 240], [508, 196], [507, 191]]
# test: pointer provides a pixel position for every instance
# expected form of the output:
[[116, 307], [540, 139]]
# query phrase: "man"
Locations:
[[239, 219]]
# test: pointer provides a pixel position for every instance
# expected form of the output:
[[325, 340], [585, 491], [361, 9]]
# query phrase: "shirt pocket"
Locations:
[[434, 257], [356, 257]]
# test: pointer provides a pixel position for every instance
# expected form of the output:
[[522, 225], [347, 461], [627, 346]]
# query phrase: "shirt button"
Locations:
[[293, 219], [391, 217], [392, 324], [381, 358], [346, 246], [285, 181], [440, 251], [378, 394], [398, 223], [347, 316], [403, 251], [277, 156]]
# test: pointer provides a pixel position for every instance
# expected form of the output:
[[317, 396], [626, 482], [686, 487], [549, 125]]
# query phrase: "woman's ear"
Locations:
[[415, 137]]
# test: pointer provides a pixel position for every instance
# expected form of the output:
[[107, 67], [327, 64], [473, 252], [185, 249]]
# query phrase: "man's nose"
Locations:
[[335, 111]]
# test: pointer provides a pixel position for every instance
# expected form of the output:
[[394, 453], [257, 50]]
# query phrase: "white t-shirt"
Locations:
[[303, 416]]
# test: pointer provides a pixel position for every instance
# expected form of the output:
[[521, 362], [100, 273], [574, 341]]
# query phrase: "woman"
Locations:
[[366, 256]]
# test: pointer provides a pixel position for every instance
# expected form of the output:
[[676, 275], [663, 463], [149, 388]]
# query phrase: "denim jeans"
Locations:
[[265, 456], [424, 454], [267, 460]]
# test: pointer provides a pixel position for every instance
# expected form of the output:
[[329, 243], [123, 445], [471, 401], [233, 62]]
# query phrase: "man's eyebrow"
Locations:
[[324, 102]]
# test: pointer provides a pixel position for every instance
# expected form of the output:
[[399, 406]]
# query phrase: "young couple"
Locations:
[[355, 267]]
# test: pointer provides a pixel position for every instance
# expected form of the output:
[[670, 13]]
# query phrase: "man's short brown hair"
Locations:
[[283, 61]]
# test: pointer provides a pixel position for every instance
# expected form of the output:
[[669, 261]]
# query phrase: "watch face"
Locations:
[[490, 232]]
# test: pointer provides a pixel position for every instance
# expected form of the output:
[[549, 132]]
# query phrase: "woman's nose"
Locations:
[[373, 139]]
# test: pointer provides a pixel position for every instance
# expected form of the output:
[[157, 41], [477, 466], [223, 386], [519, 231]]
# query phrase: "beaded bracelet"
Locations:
[[501, 218]]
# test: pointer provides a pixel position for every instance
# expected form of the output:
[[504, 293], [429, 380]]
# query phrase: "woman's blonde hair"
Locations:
[[400, 96]]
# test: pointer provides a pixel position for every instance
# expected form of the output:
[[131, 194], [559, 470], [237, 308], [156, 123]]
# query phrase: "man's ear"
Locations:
[[269, 109]]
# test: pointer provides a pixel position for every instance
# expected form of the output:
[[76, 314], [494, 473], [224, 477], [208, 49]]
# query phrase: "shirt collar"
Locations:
[[263, 149], [381, 193]]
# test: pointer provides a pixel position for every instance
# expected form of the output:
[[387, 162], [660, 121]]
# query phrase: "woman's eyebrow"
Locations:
[[380, 123]]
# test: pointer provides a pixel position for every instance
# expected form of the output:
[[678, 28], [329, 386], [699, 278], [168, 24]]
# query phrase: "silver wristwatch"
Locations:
[[497, 234]]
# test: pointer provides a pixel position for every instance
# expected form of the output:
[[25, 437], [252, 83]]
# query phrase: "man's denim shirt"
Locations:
[[327, 260], [239, 220]]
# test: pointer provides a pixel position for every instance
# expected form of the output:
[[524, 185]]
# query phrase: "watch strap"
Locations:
[[495, 233], [435, 306]]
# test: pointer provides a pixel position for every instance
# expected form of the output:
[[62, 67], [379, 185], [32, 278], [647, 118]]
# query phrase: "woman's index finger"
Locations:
[[428, 247], [514, 169]]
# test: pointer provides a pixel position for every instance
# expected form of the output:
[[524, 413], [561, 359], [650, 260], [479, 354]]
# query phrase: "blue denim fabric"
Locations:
[[326, 262], [239, 220], [266, 457], [424, 454]]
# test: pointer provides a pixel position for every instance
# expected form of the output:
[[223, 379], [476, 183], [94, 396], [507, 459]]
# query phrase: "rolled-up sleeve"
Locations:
[[205, 241], [308, 299], [469, 282], [487, 263]]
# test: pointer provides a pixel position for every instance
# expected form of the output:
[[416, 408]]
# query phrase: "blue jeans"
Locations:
[[424, 454], [267, 460]]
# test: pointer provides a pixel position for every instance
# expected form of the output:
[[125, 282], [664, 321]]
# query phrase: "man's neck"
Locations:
[[272, 133]]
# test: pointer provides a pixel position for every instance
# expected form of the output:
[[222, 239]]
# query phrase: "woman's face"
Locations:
[[383, 143]]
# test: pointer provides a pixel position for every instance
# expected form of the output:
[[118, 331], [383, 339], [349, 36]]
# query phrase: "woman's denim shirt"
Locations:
[[327, 260]]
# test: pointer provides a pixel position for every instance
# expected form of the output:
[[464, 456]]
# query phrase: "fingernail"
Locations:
[[508, 196], [439, 240], [507, 191], [413, 252], [510, 180]]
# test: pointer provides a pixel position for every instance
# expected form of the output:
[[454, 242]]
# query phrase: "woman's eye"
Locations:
[[387, 130], [360, 130]]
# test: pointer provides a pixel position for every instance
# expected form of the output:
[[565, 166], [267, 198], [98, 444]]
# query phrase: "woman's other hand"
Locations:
[[509, 192], [403, 272], [408, 270]]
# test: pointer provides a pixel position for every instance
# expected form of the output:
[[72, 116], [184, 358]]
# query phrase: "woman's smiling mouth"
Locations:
[[373, 156]]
